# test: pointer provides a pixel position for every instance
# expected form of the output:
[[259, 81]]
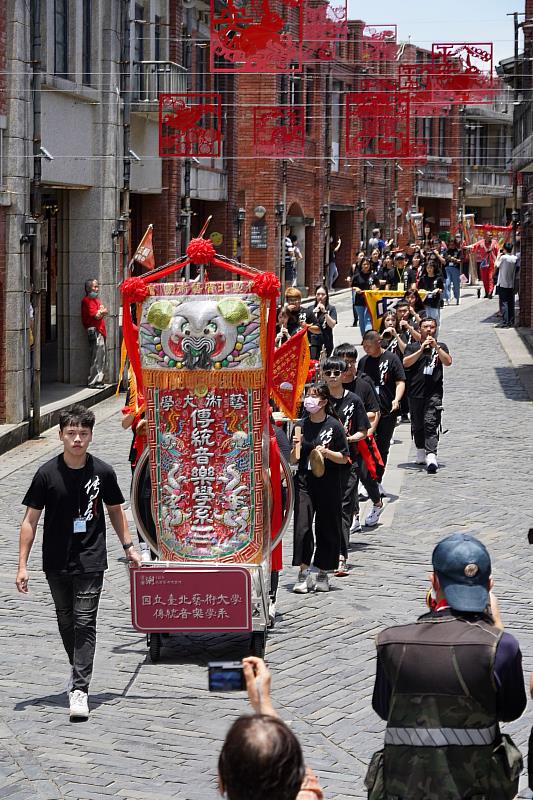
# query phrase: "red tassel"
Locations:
[[200, 251], [134, 290], [266, 284]]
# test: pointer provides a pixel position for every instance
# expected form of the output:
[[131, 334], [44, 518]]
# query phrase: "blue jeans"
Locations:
[[76, 599], [363, 318], [453, 278]]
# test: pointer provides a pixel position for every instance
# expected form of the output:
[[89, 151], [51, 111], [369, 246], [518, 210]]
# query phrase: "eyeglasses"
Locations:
[[332, 373]]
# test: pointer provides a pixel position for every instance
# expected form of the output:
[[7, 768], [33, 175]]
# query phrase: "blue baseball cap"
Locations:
[[463, 567]]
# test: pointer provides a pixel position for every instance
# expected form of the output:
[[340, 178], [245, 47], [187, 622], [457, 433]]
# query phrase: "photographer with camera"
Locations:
[[444, 683], [261, 757], [423, 363]]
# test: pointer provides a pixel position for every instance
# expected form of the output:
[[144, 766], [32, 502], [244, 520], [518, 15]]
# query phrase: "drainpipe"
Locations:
[[35, 206]]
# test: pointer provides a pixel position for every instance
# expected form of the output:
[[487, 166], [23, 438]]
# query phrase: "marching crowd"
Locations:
[[442, 684]]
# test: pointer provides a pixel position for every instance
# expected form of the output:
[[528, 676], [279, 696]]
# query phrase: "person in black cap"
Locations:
[[444, 683], [396, 275]]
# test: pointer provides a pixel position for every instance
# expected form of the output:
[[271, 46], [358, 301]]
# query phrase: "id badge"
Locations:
[[80, 525]]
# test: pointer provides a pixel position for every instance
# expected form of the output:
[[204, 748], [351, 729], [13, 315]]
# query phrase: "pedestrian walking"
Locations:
[[486, 251], [298, 317], [454, 259], [332, 272], [351, 413], [369, 460], [318, 490], [321, 322], [92, 317], [443, 684], [388, 375], [432, 282], [73, 488], [423, 362], [363, 279], [289, 261], [506, 266]]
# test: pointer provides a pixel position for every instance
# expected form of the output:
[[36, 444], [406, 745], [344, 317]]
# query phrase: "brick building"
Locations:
[[519, 75]]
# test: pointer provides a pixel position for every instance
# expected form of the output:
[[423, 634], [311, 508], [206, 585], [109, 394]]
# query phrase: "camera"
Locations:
[[226, 676]]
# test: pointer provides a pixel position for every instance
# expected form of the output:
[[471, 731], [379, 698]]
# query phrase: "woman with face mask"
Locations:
[[319, 448]]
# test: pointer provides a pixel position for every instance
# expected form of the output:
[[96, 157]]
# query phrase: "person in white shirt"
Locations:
[[506, 266]]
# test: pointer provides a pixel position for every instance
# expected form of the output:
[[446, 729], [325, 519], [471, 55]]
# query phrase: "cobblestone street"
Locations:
[[155, 731]]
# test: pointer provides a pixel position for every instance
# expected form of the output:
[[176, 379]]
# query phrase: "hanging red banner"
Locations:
[[378, 121], [289, 373], [252, 37], [189, 125], [465, 69], [325, 27], [379, 43], [279, 131]]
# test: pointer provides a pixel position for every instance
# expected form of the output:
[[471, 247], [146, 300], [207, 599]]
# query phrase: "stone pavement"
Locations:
[[155, 731]]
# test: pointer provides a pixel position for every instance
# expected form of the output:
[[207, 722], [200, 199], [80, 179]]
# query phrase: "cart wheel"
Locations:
[[258, 643], [155, 647]]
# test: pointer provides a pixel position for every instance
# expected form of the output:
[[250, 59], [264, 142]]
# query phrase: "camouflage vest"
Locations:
[[443, 692]]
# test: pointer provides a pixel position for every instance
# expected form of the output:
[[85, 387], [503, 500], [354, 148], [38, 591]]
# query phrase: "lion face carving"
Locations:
[[200, 333]]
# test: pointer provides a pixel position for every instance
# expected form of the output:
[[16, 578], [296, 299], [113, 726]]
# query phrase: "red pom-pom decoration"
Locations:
[[266, 285], [200, 251], [134, 290]]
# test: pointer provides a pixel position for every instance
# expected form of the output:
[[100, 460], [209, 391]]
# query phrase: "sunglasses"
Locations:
[[332, 373]]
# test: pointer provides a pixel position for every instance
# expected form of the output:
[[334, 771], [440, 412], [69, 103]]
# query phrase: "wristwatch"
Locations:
[[127, 546]]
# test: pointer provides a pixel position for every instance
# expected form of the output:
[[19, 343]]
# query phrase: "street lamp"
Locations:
[[515, 216], [30, 230]]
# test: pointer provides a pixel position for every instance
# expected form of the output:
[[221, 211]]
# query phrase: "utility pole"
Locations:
[[35, 204], [517, 86]]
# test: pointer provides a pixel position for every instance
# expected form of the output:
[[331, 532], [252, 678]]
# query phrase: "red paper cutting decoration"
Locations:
[[250, 36], [189, 125], [465, 68], [426, 101], [325, 26], [378, 122], [279, 131], [379, 43]]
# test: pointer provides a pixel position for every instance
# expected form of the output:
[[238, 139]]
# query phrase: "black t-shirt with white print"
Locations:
[[385, 370], [425, 377], [352, 414], [328, 433], [363, 387], [66, 494]]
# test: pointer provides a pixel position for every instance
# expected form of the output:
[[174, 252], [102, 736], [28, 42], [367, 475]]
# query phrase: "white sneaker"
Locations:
[[373, 517], [302, 584], [420, 456], [356, 525], [79, 705], [432, 464], [70, 681], [322, 582]]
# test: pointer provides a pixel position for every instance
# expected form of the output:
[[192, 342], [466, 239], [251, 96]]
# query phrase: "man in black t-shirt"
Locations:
[[72, 488], [424, 364], [388, 374], [363, 386], [350, 411]]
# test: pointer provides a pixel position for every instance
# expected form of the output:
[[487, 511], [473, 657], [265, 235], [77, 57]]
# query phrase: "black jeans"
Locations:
[[76, 599], [507, 303], [425, 421], [383, 434]]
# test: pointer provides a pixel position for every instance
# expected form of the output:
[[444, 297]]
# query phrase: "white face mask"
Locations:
[[312, 404]]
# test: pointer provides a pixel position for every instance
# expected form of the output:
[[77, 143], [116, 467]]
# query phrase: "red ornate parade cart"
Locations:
[[206, 492]]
